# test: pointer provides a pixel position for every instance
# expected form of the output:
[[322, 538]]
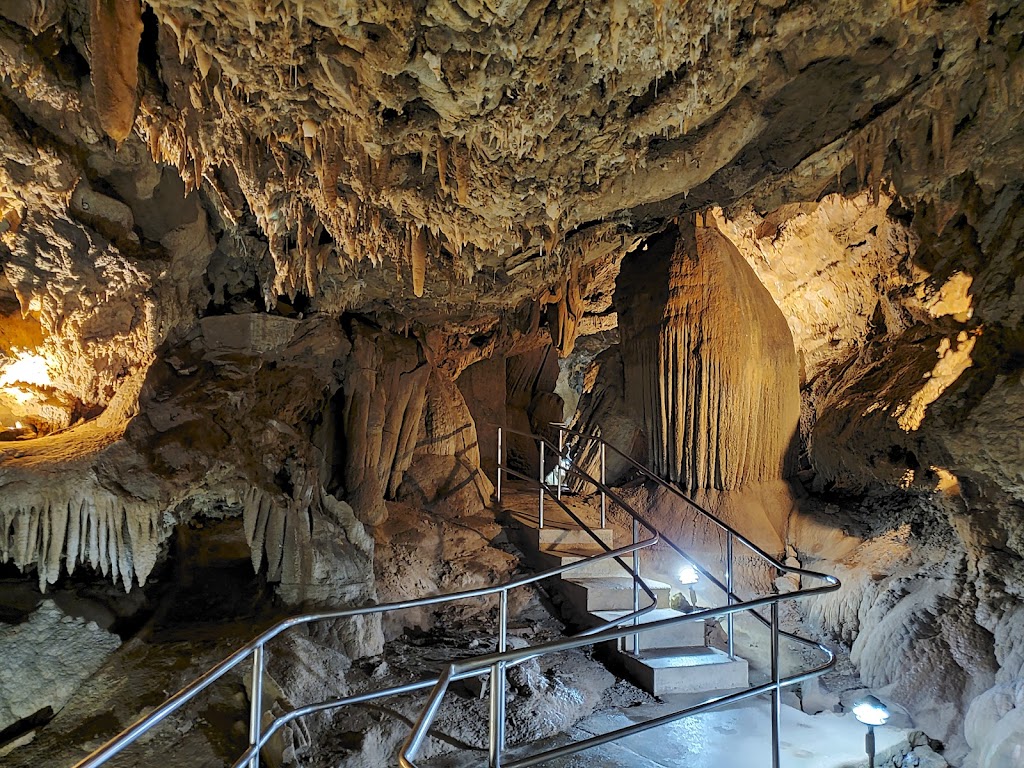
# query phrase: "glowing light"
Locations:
[[29, 369], [871, 711], [688, 575], [18, 425]]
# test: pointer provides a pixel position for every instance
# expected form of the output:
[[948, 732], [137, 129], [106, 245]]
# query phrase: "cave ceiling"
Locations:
[[450, 167]]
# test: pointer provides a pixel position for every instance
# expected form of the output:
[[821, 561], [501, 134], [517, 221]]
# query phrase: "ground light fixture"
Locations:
[[871, 712], [688, 575]]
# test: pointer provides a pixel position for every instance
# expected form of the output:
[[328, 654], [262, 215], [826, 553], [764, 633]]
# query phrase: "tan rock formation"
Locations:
[[115, 30], [708, 362], [384, 396]]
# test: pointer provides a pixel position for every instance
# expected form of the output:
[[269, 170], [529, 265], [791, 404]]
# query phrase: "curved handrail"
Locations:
[[142, 725], [775, 563], [479, 664], [772, 561], [133, 732], [497, 661], [448, 676]]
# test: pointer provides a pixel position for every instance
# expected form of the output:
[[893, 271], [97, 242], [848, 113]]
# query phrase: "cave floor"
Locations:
[[739, 735]]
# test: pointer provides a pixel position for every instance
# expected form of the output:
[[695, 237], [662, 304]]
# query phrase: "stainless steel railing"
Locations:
[[732, 536], [255, 650], [497, 662]]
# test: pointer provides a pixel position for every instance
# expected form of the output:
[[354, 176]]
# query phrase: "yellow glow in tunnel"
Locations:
[[28, 369]]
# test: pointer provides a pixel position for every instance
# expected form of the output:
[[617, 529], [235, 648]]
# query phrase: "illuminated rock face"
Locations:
[[709, 364]]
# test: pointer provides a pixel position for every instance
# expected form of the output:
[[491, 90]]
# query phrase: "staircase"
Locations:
[[673, 659]]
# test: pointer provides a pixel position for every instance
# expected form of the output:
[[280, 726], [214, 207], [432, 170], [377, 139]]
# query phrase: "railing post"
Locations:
[[540, 509], [499, 466], [636, 586], [604, 500], [776, 690], [561, 450], [256, 704], [503, 621], [496, 729], [730, 620], [498, 684]]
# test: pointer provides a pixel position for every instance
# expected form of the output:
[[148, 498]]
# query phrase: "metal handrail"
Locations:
[[732, 535], [497, 662], [479, 664], [255, 648]]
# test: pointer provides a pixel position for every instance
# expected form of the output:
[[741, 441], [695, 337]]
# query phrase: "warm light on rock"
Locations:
[[28, 369]]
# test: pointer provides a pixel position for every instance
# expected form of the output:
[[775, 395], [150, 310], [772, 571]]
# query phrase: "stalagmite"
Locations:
[[709, 362], [115, 32]]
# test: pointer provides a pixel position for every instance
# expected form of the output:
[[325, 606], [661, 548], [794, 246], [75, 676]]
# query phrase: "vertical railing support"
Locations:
[[730, 621], [604, 499], [540, 508], [256, 704], [497, 724], [499, 466], [776, 690], [503, 621], [496, 729], [636, 586], [561, 450]]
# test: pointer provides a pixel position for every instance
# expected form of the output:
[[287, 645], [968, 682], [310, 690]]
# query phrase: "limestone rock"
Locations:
[[46, 658], [116, 29], [708, 363], [384, 403]]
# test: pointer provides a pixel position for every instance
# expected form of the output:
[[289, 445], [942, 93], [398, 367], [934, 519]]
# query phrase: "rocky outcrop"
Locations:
[[384, 395], [708, 360], [47, 657]]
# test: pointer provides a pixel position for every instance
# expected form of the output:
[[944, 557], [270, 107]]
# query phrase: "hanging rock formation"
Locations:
[[709, 362], [116, 28]]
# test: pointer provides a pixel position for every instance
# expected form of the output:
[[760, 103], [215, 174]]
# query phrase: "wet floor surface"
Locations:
[[737, 737]]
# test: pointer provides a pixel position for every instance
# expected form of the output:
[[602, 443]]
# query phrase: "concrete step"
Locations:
[[685, 670], [553, 557], [686, 635], [556, 537], [589, 595]]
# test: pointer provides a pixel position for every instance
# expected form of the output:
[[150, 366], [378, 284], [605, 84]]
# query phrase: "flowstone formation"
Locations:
[[291, 263], [709, 364]]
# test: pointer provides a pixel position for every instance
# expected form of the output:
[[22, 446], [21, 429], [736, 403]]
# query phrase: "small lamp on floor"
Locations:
[[871, 712]]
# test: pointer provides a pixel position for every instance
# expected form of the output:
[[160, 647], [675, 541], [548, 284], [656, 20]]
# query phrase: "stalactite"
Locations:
[[564, 316], [442, 163], [102, 532], [462, 172], [115, 32], [419, 261]]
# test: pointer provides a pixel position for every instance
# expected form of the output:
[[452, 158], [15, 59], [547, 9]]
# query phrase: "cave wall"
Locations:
[[461, 173]]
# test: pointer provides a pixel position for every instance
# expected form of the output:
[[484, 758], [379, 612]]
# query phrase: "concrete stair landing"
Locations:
[[685, 670]]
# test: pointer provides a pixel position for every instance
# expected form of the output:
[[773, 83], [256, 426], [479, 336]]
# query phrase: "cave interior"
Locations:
[[301, 302]]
